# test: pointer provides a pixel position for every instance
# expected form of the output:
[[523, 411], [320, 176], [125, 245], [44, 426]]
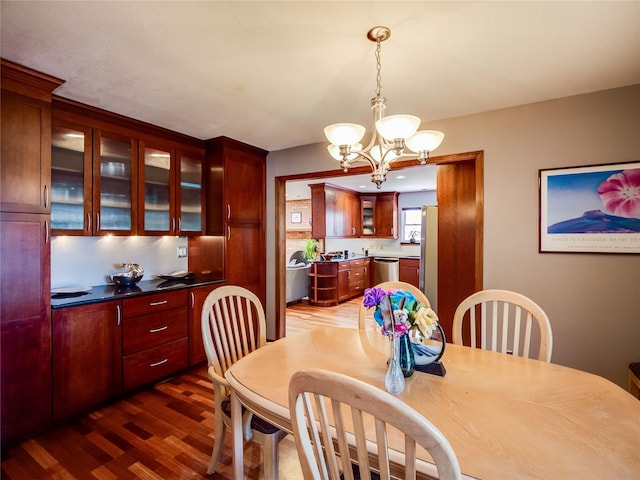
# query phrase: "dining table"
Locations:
[[505, 416]]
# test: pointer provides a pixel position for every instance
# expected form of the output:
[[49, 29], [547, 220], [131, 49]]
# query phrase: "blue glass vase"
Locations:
[[407, 358]]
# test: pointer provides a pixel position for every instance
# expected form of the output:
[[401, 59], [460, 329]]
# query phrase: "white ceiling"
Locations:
[[274, 73]]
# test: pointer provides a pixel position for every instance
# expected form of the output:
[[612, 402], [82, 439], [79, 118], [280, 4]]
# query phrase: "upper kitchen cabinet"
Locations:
[[189, 192], [115, 175], [335, 212], [170, 190], [380, 215], [236, 203], [26, 138], [114, 184], [156, 190], [71, 182]]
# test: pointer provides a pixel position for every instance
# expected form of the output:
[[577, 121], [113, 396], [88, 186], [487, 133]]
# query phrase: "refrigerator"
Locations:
[[429, 254]]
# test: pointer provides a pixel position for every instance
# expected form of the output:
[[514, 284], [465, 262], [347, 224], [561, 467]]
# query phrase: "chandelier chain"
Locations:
[[379, 67]]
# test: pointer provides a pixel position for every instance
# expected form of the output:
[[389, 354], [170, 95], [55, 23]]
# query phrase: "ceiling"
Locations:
[[274, 73]]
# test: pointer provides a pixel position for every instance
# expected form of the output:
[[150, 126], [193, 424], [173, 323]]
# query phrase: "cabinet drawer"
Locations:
[[343, 265], [356, 275], [356, 289], [154, 363], [356, 263], [155, 302], [145, 331]]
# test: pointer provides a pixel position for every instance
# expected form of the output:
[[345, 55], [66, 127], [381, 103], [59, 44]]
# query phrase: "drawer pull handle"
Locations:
[[159, 363], [155, 304], [155, 330]]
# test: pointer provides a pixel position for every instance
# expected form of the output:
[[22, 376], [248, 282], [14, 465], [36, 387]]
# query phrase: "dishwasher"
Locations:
[[386, 270]]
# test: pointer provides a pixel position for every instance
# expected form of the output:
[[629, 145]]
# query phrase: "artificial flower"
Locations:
[[408, 313]]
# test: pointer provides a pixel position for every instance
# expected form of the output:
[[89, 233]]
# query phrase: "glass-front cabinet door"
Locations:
[[157, 196], [71, 184], [115, 177], [189, 199]]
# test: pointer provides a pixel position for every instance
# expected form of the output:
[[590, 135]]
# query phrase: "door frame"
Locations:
[[460, 185]]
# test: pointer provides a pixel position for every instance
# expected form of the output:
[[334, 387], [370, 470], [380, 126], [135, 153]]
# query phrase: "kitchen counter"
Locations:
[[102, 293], [341, 258]]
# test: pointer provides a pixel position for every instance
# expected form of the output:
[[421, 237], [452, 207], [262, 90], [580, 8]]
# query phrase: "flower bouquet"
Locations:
[[412, 321]]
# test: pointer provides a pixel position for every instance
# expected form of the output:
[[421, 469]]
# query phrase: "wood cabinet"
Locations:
[[236, 199], [87, 356], [114, 175], [170, 190], [356, 277], [25, 317], [323, 287], [335, 282], [344, 283], [335, 212], [368, 273], [409, 271], [379, 215], [154, 337]]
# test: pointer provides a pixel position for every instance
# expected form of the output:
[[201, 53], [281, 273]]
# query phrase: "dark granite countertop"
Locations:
[[102, 293]]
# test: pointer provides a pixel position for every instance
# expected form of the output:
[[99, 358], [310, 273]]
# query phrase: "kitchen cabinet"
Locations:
[[154, 337], [236, 203], [368, 273], [87, 356], [25, 317], [88, 204], [335, 212], [344, 282], [380, 215], [170, 190], [357, 272], [409, 271], [197, 296], [323, 287], [114, 175], [25, 325]]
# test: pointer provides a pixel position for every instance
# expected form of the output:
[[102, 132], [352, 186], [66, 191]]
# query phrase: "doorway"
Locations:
[[460, 194]]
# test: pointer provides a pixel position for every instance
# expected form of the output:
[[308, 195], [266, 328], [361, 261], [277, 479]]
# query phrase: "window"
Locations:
[[411, 224]]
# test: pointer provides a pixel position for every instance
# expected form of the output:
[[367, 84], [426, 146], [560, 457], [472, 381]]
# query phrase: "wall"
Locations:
[[80, 261], [593, 300]]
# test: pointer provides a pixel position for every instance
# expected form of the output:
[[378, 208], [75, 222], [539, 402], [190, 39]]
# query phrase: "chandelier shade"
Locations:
[[397, 126], [425, 141], [344, 133], [389, 135]]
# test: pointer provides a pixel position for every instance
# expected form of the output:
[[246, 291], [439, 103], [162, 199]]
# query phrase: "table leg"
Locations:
[[238, 450]]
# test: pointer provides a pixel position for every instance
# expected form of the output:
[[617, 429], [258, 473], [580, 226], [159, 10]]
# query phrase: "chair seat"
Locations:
[[257, 423]]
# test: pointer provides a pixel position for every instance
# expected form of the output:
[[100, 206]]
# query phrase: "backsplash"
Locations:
[[91, 260]]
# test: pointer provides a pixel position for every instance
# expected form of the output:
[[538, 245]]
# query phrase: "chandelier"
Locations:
[[391, 136]]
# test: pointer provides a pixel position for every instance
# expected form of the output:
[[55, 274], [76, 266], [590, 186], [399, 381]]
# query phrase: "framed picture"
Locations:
[[296, 217], [594, 209]]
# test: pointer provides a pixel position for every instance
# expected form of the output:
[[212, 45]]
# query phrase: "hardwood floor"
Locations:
[[163, 432]]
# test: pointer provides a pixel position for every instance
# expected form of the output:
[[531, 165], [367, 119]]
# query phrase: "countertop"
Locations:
[[101, 293]]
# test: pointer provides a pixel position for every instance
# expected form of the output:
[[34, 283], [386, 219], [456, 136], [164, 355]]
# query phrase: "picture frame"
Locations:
[[296, 217], [590, 209]]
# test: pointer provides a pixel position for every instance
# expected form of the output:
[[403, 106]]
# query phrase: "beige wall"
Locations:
[[593, 300]]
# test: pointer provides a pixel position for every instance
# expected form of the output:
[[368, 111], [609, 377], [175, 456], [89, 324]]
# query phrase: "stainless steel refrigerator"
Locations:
[[429, 254]]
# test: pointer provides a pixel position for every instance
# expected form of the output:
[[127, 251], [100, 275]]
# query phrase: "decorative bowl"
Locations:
[[126, 279]]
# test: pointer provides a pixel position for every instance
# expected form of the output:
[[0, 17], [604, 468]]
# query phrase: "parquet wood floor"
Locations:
[[163, 432]]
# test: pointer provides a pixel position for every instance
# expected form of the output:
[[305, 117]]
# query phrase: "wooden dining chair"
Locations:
[[364, 314], [506, 320], [329, 414], [233, 326]]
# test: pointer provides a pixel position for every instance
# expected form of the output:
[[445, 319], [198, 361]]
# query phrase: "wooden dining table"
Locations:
[[505, 416]]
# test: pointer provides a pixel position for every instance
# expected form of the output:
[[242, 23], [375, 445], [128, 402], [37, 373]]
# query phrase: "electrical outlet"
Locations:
[[182, 252]]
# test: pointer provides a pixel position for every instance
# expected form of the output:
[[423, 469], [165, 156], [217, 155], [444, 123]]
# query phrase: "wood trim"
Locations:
[[26, 81], [475, 188]]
